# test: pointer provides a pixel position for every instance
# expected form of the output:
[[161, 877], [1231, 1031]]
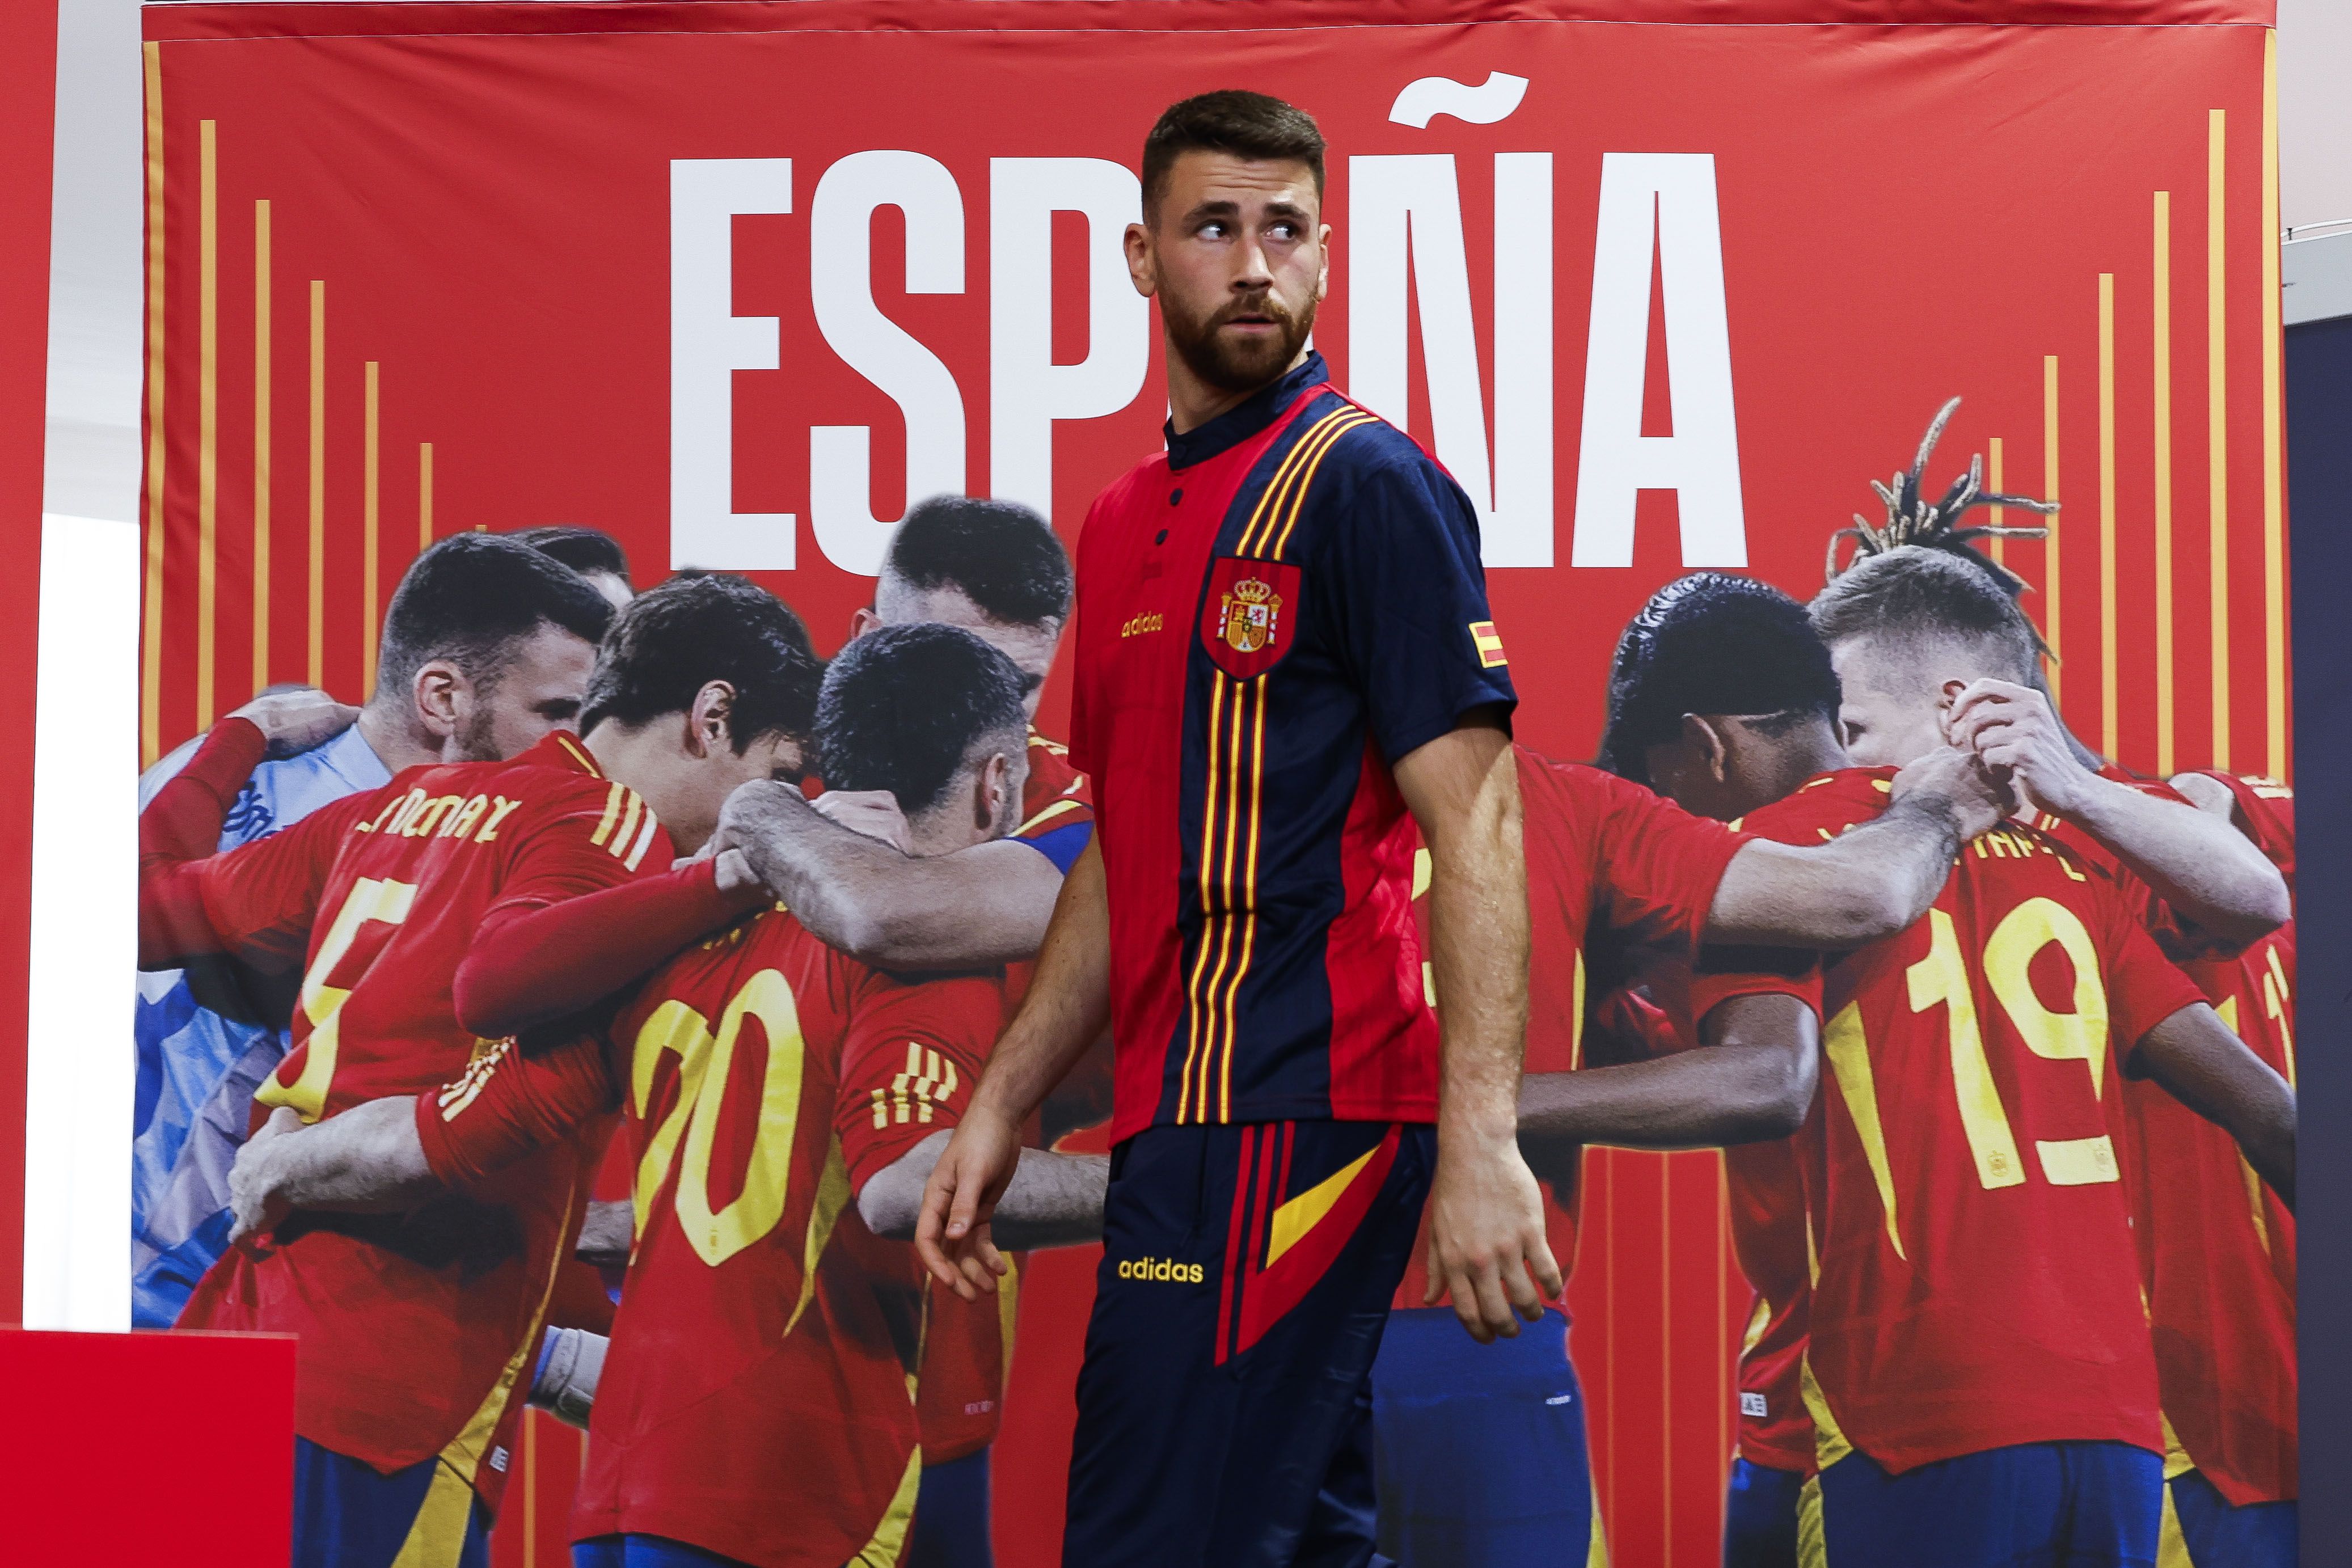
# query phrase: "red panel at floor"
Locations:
[[214, 1415]]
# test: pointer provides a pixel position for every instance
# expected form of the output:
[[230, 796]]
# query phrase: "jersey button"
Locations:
[[1174, 497]]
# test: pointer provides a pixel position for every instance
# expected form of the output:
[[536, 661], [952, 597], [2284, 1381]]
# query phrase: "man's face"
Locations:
[[687, 801], [1237, 254], [1891, 716], [1031, 648], [536, 691]]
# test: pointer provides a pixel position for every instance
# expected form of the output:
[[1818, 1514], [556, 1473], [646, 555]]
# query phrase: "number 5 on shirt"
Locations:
[[371, 899]]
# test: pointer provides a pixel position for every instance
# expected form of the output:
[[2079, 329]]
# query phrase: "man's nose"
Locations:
[[1254, 270]]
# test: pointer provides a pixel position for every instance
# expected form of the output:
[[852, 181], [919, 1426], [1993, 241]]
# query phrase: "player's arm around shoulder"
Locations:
[[837, 869], [396, 1151], [1866, 883]]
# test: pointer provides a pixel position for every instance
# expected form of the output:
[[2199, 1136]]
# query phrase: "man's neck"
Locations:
[[1194, 402], [1803, 756], [396, 746]]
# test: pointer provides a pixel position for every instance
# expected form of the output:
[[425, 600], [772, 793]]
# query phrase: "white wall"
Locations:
[[79, 1067]]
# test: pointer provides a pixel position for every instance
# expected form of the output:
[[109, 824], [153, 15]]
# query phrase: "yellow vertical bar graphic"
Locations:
[[2217, 421], [2049, 551], [2108, 725], [317, 664], [2275, 672], [2161, 323], [368, 543], [260, 445], [1997, 512], [151, 658], [424, 497], [530, 1488], [208, 417]]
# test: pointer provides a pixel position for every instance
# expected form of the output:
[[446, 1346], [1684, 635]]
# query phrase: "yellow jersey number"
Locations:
[[1942, 979], [370, 900]]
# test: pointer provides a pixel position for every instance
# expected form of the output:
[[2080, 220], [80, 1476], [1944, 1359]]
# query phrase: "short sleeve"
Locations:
[[1062, 846], [2144, 987], [510, 1103], [1721, 974], [1656, 866], [258, 902], [590, 842], [910, 1062], [1401, 579]]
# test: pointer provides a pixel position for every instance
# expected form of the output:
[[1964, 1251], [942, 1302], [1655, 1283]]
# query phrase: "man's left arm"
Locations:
[[2211, 875], [1486, 1242], [396, 1151]]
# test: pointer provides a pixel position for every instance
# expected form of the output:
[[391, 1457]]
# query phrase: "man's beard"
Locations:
[[1238, 365], [477, 741]]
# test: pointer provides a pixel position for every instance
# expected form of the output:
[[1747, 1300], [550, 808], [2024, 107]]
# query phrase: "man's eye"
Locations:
[[559, 710]]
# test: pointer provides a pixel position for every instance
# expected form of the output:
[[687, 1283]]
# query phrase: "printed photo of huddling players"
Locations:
[[828, 955]]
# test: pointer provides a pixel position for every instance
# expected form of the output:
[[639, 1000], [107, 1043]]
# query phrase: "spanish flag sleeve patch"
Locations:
[[1488, 643]]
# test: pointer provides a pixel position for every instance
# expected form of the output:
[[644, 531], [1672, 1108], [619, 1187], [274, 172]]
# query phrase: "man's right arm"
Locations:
[[2200, 1062], [1753, 1081], [1066, 1009], [1868, 883], [984, 905]]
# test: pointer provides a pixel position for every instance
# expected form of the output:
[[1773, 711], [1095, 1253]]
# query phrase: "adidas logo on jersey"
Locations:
[[1162, 1269]]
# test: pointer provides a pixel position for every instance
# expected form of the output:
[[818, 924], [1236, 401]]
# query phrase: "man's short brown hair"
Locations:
[[1912, 596], [1243, 124]]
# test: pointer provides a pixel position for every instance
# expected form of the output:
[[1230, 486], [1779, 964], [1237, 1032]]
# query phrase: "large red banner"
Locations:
[[736, 281]]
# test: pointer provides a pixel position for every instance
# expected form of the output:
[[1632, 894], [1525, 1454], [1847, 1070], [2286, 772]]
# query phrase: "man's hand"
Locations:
[[2016, 732], [951, 1236], [1980, 801], [296, 721], [255, 1195], [873, 812], [1487, 1237]]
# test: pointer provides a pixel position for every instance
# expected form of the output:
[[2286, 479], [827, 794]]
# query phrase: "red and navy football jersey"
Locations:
[[1271, 614]]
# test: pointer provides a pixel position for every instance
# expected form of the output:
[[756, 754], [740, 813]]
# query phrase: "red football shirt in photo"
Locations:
[[2216, 1245], [758, 1398], [416, 1328], [1978, 1285], [1607, 860]]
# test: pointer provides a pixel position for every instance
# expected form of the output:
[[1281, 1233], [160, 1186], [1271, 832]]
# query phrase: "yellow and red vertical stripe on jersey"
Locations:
[[1232, 801]]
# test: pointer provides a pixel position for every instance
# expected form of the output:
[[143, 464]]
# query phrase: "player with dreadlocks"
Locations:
[[1480, 1450], [2217, 1256], [1976, 1365]]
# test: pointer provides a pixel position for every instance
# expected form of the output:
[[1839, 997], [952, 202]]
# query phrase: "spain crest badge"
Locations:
[[1248, 617]]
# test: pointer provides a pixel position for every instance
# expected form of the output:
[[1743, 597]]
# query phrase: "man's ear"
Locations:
[[992, 789], [1708, 744], [707, 718], [1143, 269], [441, 698], [861, 622], [1323, 272], [1946, 696]]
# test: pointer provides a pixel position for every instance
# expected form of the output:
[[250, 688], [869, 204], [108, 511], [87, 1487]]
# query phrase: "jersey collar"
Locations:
[[563, 750], [1237, 425]]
